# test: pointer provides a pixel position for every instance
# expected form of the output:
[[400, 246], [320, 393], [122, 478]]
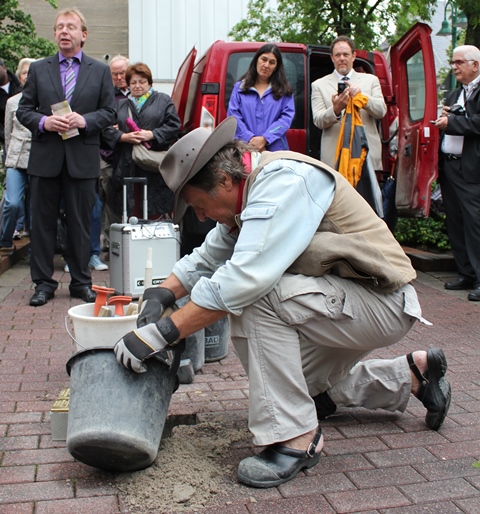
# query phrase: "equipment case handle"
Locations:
[[134, 180]]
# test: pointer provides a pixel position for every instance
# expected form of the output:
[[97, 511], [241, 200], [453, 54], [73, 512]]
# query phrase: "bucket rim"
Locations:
[[78, 354], [97, 319]]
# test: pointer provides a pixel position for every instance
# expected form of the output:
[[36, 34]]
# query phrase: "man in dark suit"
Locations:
[[65, 167], [459, 173]]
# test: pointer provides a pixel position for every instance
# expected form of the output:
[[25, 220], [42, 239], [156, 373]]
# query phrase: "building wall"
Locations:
[[162, 32], [107, 22], [157, 32]]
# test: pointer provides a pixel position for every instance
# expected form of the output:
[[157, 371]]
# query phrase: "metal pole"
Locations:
[[454, 41]]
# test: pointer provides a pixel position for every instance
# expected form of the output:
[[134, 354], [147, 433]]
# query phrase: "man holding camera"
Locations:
[[458, 169], [329, 102]]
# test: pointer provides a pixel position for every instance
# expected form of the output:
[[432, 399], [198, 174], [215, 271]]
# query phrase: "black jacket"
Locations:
[[92, 98], [467, 126], [15, 87], [159, 115]]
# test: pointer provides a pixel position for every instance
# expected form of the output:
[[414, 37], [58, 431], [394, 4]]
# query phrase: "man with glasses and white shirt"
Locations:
[[459, 174]]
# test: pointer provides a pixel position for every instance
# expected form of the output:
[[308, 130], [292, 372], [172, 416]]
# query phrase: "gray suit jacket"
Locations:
[[17, 138], [324, 118], [93, 98]]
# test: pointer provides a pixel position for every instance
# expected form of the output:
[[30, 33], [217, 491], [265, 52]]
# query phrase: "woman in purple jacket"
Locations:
[[262, 102]]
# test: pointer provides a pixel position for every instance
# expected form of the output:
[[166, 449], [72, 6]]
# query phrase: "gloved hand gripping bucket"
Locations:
[[116, 416]]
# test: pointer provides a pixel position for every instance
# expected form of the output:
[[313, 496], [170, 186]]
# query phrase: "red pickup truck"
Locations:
[[410, 144]]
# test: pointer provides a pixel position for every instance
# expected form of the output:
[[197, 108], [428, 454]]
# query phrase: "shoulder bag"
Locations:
[[145, 158]]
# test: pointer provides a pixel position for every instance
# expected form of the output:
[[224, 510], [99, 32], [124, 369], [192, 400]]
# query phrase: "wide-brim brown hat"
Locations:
[[189, 155]]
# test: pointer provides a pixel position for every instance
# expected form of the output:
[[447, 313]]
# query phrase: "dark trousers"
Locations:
[[462, 207], [79, 197]]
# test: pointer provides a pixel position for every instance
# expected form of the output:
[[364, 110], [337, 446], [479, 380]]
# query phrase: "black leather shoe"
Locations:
[[435, 391], [85, 293], [474, 296], [40, 298], [324, 405], [459, 284], [277, 464]]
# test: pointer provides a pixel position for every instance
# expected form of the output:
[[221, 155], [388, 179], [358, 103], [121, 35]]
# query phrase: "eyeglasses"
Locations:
[[459, 62], [118, 73]]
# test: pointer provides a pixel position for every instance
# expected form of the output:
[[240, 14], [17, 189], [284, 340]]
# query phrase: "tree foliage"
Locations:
[[316, 22], [18, 37], [471, 9]]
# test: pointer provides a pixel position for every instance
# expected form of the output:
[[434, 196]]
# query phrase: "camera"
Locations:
[[341, 87], [456, 109]]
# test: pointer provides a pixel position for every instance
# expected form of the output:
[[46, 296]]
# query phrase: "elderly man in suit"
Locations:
[[65, 167], [328, 106], [458, 169]]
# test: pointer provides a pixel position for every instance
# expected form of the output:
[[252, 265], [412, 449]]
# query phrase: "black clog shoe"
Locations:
[[277, 464]]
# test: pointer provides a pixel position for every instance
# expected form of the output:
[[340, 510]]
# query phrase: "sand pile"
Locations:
[[191, 468]]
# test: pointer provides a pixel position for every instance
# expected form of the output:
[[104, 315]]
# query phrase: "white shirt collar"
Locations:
[[472, 85], [340, 77]]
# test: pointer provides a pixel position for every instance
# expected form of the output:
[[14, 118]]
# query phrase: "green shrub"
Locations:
[[424, 233]]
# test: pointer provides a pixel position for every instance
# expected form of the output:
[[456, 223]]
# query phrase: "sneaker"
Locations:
[[66, 269], [96, 264], [17, 235]]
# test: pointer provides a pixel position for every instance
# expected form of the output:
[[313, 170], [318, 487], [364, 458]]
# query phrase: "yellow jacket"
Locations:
[[352, 145]]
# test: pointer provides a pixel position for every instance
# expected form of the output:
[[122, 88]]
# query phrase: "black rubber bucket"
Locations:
[[116, 416], [216, 340]]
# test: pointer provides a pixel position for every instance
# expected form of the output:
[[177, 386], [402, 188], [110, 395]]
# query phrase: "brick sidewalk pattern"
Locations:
[[373, 461]]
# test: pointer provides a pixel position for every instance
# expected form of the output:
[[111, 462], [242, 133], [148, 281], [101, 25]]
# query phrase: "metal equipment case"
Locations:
[[129, 244]]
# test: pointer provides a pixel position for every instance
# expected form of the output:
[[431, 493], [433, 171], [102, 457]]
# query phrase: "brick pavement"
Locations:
[[374, 462]]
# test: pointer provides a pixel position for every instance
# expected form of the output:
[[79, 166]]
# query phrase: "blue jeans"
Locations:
[[14, 207], [96, 227]]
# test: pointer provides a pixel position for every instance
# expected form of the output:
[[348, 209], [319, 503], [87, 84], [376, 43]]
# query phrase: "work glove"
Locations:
[[145, 342], [155, 301]]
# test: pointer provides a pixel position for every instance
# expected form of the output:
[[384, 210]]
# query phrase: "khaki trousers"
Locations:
[[308, 336]]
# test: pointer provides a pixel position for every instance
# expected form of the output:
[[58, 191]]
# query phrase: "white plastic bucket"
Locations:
[[91, 331]]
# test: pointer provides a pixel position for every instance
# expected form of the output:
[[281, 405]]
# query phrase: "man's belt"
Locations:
[[452, 157]]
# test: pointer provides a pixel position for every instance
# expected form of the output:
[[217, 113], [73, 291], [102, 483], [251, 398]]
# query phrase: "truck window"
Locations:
[[294, 69], [416, 86]]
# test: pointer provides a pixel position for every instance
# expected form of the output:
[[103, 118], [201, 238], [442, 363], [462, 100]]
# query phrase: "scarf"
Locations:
[[140, 102]]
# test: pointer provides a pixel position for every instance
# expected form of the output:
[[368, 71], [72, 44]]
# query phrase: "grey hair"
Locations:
[[227, 160], [469, 52], [119, 57], [21, 64]]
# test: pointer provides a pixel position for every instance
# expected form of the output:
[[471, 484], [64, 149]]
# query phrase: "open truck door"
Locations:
[[182, 86], [415, 88]]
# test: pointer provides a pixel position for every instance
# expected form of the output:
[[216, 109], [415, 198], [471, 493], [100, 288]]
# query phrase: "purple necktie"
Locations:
[[70, 80]]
